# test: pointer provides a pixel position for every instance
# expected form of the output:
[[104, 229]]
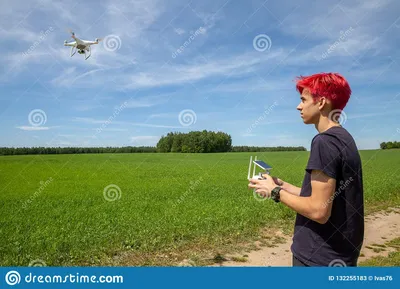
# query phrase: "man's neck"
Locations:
[[324, 124]]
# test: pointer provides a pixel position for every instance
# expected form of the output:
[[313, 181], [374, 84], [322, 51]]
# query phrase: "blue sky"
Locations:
[[192, 65]]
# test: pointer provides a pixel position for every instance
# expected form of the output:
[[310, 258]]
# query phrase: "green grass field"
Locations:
[[168, 203]]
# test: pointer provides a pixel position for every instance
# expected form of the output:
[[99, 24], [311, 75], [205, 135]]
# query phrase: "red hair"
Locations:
[[333, 86]]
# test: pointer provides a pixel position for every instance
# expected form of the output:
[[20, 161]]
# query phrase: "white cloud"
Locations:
[[66, 11], [67, 135], [179, 31], [147, 101], [371, 114], [87, 107], [156, 125], [89, 120], [62, 79], [249, 135], [113, 129], [30, 128], [163, 115], [154, 75], [19, 33], [144, 140], [181, 74], [131, 18]]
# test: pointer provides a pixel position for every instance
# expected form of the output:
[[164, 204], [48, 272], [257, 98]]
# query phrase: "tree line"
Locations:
[[174, 142], [74, 150], [266, 149], [209, 142], [103, 150], [390, 145]]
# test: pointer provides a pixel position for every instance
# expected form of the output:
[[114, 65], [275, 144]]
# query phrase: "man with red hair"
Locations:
[[329, 227]]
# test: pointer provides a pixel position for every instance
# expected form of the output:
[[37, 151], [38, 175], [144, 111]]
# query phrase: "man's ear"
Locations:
[[323, 103]]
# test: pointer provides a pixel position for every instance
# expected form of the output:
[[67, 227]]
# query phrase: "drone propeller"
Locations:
[[72, 32]]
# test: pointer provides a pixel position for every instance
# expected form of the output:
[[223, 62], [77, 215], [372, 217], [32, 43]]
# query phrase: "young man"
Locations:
[[329, 227]]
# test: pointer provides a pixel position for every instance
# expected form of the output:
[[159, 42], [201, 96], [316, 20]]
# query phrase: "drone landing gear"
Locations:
[[72, 50], [90, 53], [81, 51]]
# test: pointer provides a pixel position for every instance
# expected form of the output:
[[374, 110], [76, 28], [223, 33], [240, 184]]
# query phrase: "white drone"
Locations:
[[82, 46]]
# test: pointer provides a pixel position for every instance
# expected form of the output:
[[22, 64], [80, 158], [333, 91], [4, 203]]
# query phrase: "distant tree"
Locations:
[[390, 145]]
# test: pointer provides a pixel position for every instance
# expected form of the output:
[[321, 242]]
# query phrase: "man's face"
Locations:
[[309, 110]]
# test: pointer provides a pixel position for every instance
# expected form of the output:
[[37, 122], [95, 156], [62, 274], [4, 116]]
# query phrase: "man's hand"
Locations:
[[263, 187], [278, 181]]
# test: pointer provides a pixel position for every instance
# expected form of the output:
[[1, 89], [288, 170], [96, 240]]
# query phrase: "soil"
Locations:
[[379, 228]]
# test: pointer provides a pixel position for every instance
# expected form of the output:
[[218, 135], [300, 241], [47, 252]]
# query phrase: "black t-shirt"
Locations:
[[337, 242]]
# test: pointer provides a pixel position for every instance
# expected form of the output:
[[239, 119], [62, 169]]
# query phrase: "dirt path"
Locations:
[[379, 228]]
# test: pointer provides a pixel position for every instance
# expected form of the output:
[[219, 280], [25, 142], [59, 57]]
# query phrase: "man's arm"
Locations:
[[316, 207], [291, 188], [286, 186]]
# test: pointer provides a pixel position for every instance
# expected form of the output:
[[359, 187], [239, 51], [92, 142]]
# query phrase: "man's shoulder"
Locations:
[[336, 132], [322, 140], [337, 136]]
